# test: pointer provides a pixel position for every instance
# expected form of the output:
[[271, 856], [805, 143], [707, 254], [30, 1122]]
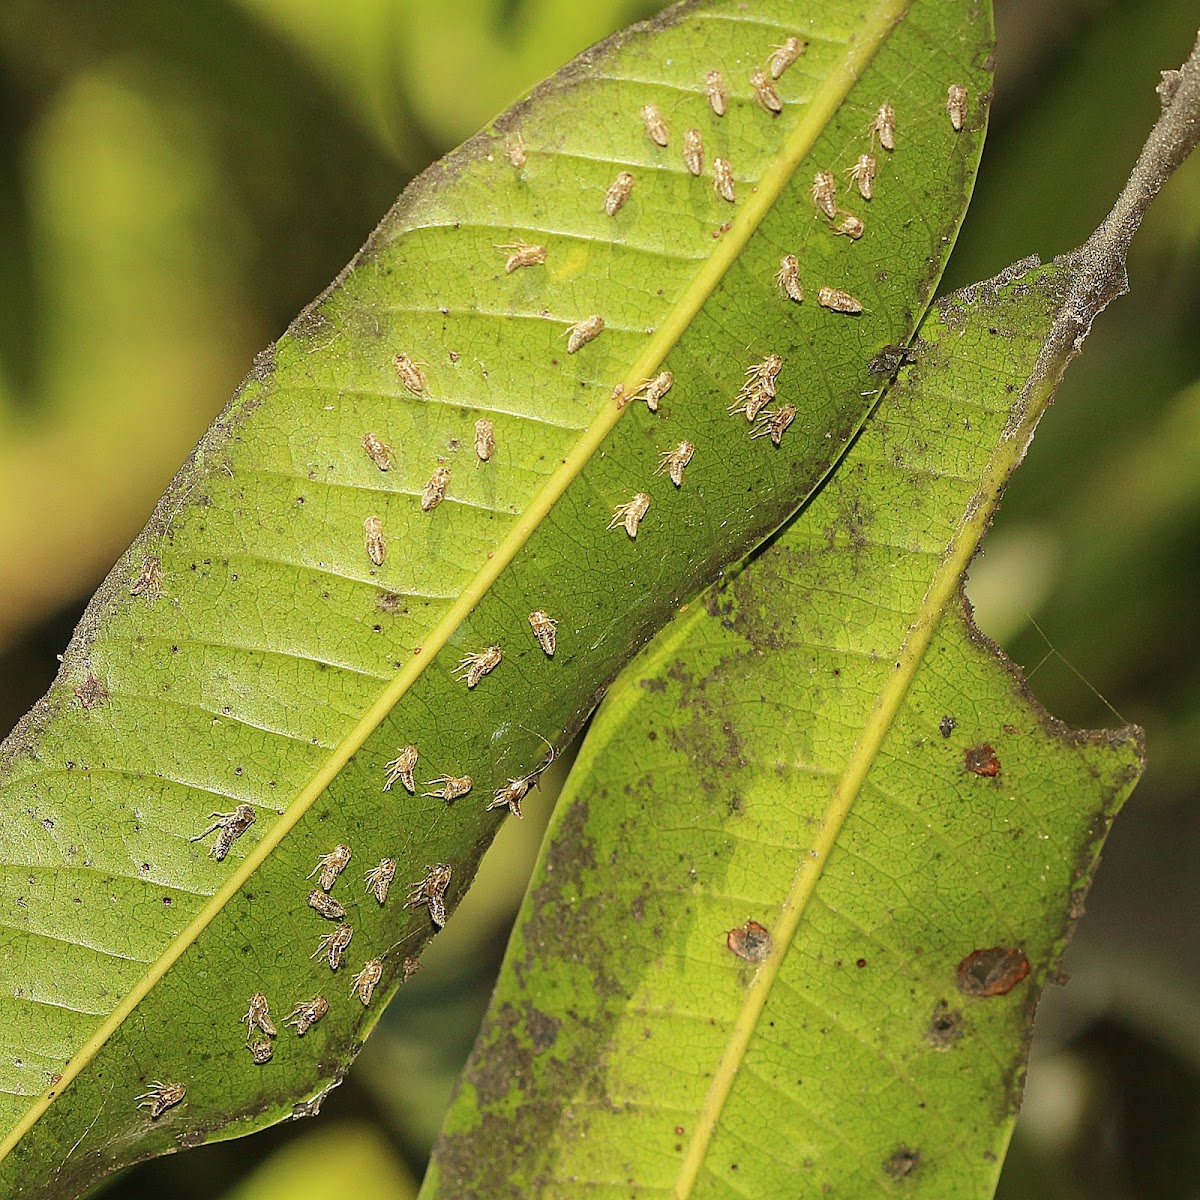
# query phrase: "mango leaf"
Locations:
[[347, 536], [821, 849]]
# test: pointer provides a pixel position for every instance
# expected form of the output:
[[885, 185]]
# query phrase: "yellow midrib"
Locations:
[[820, 110], [938, 597]]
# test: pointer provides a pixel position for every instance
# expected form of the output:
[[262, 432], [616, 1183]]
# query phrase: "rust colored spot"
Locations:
[[903, 1162], [678, 1129], [860, 962], [751, 941], [982, 760], [992, 972]]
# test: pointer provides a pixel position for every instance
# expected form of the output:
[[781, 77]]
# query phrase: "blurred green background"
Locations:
[[178, 178]]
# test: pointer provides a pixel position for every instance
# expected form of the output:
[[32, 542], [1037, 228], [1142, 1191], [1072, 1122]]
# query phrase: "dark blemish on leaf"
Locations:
[[542, 1028], [751, 941], [860, 962], [982, 760], [945, 1026], [992, 972], [947, 725], [311, 325], [903, 1163], [890, 359], [91, 693]]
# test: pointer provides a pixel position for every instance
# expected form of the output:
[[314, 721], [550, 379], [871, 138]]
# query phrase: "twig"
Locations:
[[1098, 266]]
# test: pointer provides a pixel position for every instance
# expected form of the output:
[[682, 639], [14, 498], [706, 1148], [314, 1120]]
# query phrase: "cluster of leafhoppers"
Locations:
[[332, 948], [756, 401]]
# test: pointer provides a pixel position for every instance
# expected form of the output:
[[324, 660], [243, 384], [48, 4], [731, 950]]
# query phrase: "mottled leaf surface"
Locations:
[[248, 650], [820, 851]]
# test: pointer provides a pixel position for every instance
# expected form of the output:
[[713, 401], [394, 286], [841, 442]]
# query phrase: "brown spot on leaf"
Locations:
[[91, 692], [945, 1026], [992, 972], [982, 760], [751, 941], [903, 1163], [542, 1029]]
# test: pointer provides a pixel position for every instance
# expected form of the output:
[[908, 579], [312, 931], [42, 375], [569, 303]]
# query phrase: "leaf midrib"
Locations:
[[823, 105]]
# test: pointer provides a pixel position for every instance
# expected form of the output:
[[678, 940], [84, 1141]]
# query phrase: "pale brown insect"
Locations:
[[452, 786], [630, 514], [759, 388], [723, 183], [364, 982], [765, 93], [672, 462], [262, 1050], [378, 451], [618, 192], [379, 879], [765, 372], [259, 1016], [149, 577], [432, 891], [714, 86], [473, 667], [838, 301], [376, 543], [545, 629], [656, 127], [582, 332], [411, 374], [485, 439], [231, 825], [787, 280], [511, 795], [331, 865], [401, 767], [956, 106], [863, 173], [307, 1013], [514, 147], [824, 193], [521, 254], [884, 124], [160, 1097], [774, 422], [327, 906], [753, 397], [783, 56], [435, 490], [657, 388], [693, 151], [332, 945], [849, 226]]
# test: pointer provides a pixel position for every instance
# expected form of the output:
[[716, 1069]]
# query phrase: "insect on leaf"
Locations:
[[291, 621]]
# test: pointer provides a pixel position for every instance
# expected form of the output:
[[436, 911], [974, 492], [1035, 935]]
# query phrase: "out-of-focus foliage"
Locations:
[[323, 1161], [209, 167]]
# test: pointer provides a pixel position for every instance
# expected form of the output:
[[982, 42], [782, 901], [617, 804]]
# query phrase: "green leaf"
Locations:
[[248, 651], [824, 746]]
